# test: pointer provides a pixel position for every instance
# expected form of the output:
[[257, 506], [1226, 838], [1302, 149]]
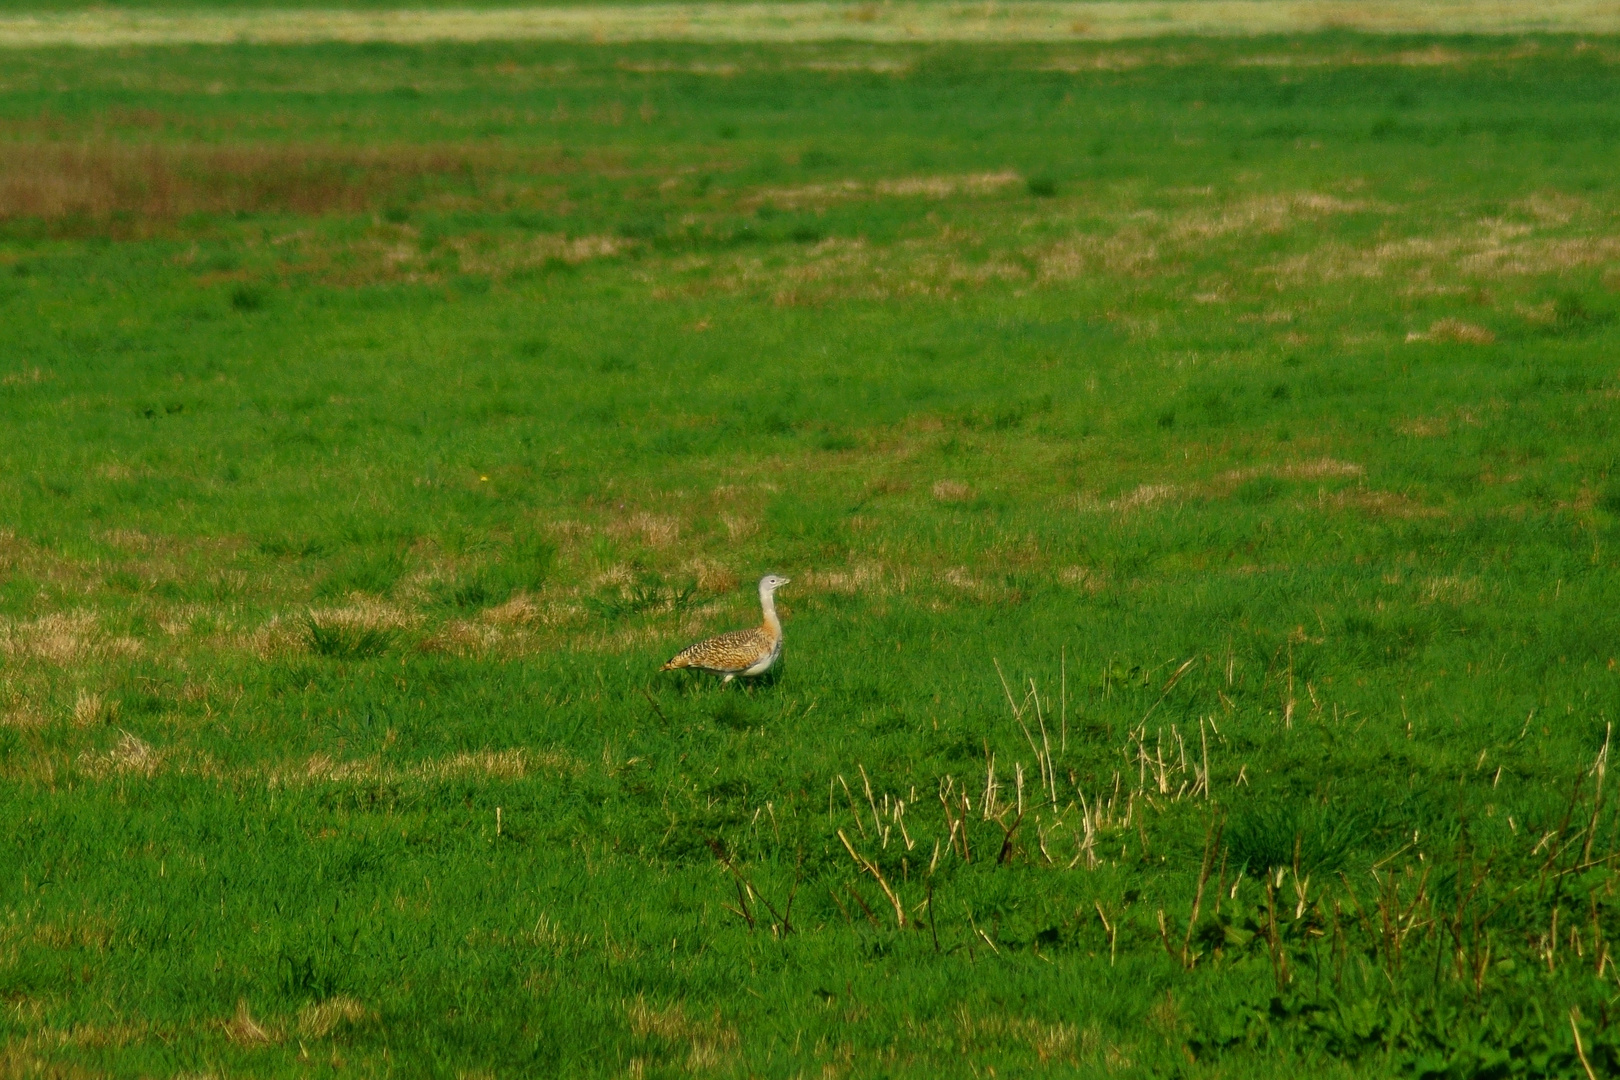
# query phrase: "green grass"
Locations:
[[379, 419]]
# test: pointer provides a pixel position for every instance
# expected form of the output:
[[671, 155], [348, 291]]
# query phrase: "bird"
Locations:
[[741, 652]]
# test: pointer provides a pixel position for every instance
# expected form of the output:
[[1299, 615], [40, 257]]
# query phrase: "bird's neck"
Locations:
[[767, 601]]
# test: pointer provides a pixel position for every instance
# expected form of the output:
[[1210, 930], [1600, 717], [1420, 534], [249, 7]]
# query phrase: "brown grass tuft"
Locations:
[[1263, 214], [131, 755], [243, 1030], [514, 764], [1084, 577], [1145, 495], [710, 1042], [1320, 469], [26, 377], [712, 577], [1380, 504], [861, 577], [739, 527], [98, 180], [464, 637], [929, 187], [60, 638], [91, 710], [1454, 330], [520, 610], [1451, 590], [319, 1021], [654, 530], [952, 491], [1052, 1042], [82, 931], [1424, 427], [23, 717], [496, 764]]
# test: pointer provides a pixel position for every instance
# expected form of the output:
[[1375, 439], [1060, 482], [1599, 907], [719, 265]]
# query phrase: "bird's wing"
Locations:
[[728, 652]]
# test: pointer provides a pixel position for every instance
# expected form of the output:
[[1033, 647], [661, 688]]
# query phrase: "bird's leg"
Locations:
[[727, 679]]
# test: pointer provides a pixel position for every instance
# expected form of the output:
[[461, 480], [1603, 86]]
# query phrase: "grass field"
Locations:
[[1196, 462], [70, 22]]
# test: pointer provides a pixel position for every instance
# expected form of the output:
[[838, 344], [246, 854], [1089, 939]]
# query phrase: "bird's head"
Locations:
[[771, 582]]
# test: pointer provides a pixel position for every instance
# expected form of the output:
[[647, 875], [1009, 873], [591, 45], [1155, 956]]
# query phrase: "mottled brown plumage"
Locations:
[[741, 652]]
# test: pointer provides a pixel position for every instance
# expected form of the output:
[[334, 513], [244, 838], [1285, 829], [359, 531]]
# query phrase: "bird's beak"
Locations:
[[785, 581]]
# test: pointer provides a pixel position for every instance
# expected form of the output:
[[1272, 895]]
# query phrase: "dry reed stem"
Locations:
[[1580, 1050], [872, 868]]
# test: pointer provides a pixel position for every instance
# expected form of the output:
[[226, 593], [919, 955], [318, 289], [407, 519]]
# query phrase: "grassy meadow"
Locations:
[[1196, 462]]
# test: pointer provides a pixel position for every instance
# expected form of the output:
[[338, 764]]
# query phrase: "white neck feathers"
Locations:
[[767, 601]]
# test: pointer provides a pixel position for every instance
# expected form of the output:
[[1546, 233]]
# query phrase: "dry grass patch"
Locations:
[[952, 491], [840, 269], [1454, 330], [860, 577], [1424, 427], [1141, 237], [92, 710], [653, 530], [1555, 207], [1491, 249], [520, 610], [465, 637], [513, 764], [60, 638], [1055, 1043], [1143, 496], [897, 21], [26, 377], [1111, 60], [1086, 578], [1320, 469], [500, 257], [87, 1036], [927, 187], [243, 1030], [710, 1042], [365, 614], [711, 576], [1451, 590], [23, 717], [1379, 504], [1260, 214], [84, 931], [154, 182], [739, 527], [1549, 256], [317, 1021], [496, 764], [130, 756]]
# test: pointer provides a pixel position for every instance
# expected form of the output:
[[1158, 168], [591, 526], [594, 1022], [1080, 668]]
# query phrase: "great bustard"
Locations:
[[741, 652]]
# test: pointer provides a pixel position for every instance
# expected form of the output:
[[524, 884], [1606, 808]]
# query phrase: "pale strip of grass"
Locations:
[[815, 21]]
